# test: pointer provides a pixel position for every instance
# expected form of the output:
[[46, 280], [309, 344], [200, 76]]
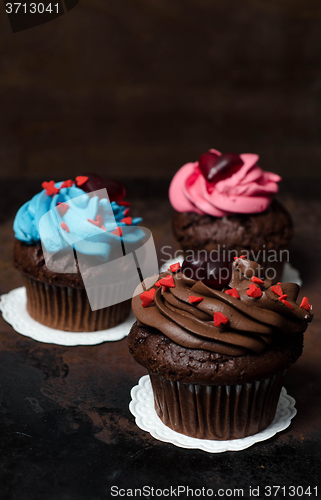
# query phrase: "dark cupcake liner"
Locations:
[[217, 412], [67, 308]]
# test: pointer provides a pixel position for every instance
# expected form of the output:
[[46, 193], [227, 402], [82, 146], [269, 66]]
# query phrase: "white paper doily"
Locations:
[[14, 311], [290, 274], [142, 407]]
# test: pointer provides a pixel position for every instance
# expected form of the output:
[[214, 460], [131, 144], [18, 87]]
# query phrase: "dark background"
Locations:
[[135, 88]]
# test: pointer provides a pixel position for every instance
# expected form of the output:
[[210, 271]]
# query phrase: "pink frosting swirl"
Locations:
[[249, 190]]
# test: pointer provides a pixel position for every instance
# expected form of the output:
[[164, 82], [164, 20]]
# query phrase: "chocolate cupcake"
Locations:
[[217, 358], [65, 235], [225, 202]]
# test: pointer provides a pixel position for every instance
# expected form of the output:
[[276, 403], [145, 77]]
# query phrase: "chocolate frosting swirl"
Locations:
[[253, 323]]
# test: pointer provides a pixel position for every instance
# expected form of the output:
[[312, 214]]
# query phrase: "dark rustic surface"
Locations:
[[140, 87], [65, 429]]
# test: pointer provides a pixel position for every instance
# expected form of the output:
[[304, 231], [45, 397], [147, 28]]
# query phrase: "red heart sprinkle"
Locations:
[[123, 203], [286, 303], [157, 283], [147, 297], [219, 318], [98, 221], [233, 293], [240, 257], [194, 300], [277, 289], [50, 188], [103, 227], [117, 231], [284, 296], [165, 288], [62, 208], [305, 304], [64, 226], [254, 291], [126, 212], [67, 184], [174, 267], [127, 220], [255, 279], [168, 281], [81, 179]]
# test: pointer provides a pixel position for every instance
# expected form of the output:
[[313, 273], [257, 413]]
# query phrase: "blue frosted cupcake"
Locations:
[[64, 235]]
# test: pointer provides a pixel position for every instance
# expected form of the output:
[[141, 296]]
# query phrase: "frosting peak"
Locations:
[[249, 316], [245, 188]]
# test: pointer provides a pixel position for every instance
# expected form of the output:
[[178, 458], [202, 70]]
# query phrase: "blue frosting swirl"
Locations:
[[40, 220]]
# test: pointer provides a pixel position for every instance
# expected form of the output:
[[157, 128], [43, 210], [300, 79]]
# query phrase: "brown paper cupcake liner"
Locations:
[[67, 308], [217, 412]]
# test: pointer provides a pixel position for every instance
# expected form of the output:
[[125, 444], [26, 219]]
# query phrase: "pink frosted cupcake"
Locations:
[[225, 202]]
